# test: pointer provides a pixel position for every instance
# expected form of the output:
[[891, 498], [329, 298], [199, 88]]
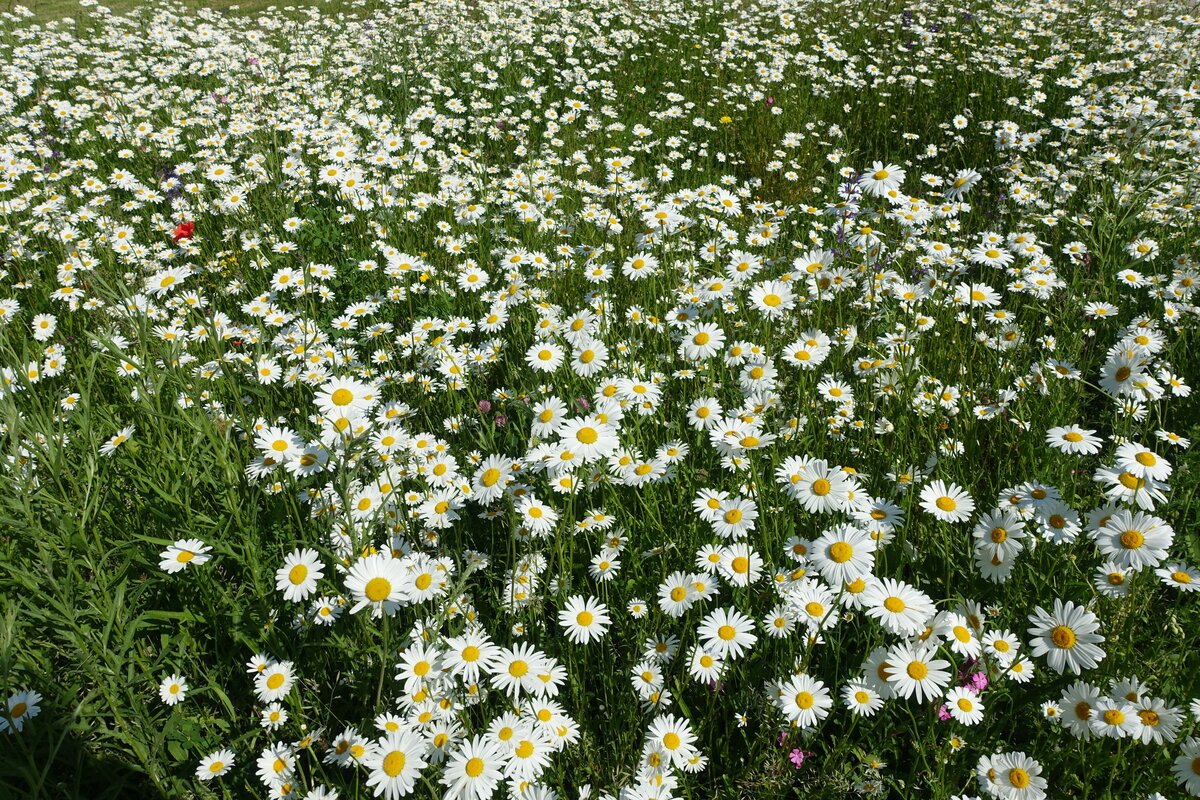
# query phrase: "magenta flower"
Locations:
[[797, 757]]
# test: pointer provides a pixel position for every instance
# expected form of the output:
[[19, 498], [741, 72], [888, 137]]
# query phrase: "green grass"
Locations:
[[93, 623]]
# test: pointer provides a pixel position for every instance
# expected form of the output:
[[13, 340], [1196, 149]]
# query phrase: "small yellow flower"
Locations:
[[726, 120]]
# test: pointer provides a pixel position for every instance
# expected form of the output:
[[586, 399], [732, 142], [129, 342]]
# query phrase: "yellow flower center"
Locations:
[[1132, 539], [1131, 481], [1062, 636], [393, 763], [377, 589]]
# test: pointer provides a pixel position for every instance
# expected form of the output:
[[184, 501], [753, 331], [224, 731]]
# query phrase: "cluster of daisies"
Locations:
[[554, 372]]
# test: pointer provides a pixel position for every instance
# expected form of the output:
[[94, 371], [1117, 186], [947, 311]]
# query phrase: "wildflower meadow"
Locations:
[[609, 400]]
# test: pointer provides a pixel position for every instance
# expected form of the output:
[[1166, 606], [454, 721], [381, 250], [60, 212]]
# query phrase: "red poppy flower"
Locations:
[[183, 231]]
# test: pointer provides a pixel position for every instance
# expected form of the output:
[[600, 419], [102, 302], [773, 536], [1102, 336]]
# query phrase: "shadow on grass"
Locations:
[[50, 759]]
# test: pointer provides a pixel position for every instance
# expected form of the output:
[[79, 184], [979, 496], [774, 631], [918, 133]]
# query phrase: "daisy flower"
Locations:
[[1138, 460], [274, 682], [474, 771], [588, 438], [298, 576], [1001, 645], [341, 397], [539, 517], [743, 566], [772, 299], [214, 765], [276, 765], [814, 603], [395, 763], [492, 476], [530, 754], [1180, 576], [1125, 487], [1067, 637], [736, 518], [705, 412], [843, 554], [544, 356], [1112, 580], [182, 553], [1114, 718], [899, 607], [881, 179], [517, 669], [1187, 766], [963, 704], [469, 653], [115, 441], [814, 484], [915, 671], [676, 594], [704, 666], [21, 706], [999, 533], [701, 342], [1018, 777], [1160, 722], [674, 736], [1074, 440], [1078, 701], [585, 620], [377, 581], [949, 503], [728, 634], [1135, 540], [804, 700], [861, 699], [173, 689]]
